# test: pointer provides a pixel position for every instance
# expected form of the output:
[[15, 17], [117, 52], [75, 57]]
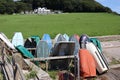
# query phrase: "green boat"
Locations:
[[97, 43], [24, 51]]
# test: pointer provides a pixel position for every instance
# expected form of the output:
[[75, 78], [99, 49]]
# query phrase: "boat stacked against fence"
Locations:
[[75, 57]]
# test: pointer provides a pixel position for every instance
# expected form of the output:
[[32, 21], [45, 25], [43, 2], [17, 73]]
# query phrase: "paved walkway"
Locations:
[[111, 49]]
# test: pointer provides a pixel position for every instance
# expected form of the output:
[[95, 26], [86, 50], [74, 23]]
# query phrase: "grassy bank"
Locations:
[[93, 24]]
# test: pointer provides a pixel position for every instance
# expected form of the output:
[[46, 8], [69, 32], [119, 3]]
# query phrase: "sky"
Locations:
[[114, 5]]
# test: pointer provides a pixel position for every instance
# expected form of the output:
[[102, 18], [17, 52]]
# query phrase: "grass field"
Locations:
[[93, 24]]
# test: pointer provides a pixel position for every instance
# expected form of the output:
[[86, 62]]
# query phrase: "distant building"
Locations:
[[43, 10], [16, 0]]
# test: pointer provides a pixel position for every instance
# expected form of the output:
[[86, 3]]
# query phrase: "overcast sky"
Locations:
[[113, 4]]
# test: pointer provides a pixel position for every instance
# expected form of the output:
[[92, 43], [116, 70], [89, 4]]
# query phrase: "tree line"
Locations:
[[9, 6]]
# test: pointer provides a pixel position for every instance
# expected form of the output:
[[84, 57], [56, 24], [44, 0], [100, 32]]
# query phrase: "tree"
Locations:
[[20, 6], [107, 9], [78, 6], [7, 8], [10, 8], [2, 8], [6, 0], [69, 5]]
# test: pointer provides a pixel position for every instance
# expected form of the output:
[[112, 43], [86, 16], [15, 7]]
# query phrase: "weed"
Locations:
[[1, 76], [32, 74], [53, 74], [114, 61]]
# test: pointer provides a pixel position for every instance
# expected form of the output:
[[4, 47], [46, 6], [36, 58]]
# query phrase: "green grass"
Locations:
[[32, 74], [114, 61], [1, 76], [53, 74], [93, 24]]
